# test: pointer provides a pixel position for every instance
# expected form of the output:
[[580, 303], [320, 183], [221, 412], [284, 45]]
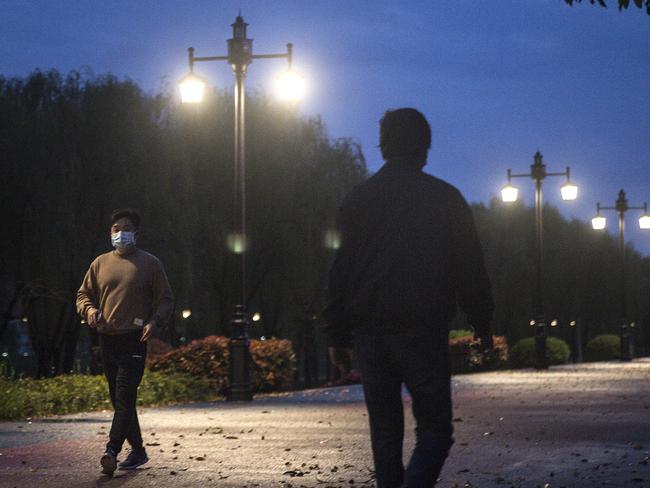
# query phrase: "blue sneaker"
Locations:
[[134, 459], [109, 461]]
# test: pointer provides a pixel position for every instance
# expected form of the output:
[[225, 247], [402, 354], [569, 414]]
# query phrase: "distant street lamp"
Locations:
[[332, 240], [509, 193], [598, 223], [240, 56], [185, 315]]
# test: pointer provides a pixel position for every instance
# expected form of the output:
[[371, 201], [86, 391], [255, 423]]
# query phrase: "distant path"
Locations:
[[573, 426]]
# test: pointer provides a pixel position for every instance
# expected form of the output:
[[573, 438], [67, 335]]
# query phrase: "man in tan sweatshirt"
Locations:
[[126, 296]]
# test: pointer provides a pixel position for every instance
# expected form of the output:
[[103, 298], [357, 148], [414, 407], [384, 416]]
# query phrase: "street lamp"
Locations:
[[185, 315], [598, 223], [509, 193], [240, 56], [332, 240]]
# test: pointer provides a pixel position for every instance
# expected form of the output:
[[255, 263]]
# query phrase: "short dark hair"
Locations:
[[128, 213], [404, 133]]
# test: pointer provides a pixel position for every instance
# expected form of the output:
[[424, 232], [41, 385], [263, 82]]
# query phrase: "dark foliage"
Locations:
[[605, 347], [466, 356], [522, 354], [76, 147], [622, 4], [272, 364], [581, 270]]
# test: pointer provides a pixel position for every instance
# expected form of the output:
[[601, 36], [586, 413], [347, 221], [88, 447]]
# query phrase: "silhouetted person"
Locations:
[[409, 254], [126, 296]]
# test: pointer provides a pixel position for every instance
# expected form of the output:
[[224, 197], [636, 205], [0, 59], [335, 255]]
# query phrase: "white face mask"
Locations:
[[123, 239]]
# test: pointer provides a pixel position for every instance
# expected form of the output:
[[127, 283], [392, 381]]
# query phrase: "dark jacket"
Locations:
[[409, 254]]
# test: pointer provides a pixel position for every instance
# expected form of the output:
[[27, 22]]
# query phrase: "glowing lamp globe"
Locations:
[[332, 240], [598, 222], [192, 89], [291, 86], [236, 243], [644, 222], [569, 191], [509, 193]]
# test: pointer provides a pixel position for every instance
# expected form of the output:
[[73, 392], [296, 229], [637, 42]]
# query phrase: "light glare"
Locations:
[[186, 314], [509, 193], [291, 86], [332, 240], [256, 317], [598, 222], [569, 191], [236, 243], [644, 222], [192, 88]]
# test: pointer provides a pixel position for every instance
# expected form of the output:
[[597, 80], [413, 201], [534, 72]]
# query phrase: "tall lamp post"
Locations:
[[509, 193], [240, 56], [598, 223]]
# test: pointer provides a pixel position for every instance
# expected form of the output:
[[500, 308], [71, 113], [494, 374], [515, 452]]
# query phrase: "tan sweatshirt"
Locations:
[[129, 290]]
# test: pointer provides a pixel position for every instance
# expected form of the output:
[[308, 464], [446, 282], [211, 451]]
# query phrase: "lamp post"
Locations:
[[509, 193], [186, 314], [240, 56], [598, 223]]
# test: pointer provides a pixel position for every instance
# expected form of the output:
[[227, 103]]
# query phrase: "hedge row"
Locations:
[[466, 356], [272, 365]]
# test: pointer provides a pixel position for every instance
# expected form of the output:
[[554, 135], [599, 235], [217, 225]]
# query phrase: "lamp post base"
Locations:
[[239, 365], [541, 358], [626, 344]]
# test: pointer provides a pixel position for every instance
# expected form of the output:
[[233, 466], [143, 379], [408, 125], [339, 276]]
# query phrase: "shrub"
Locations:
[[522, 354], [605, 347], [458, 333], [272, 365], [78, 393], [157, 347], [466, 357]]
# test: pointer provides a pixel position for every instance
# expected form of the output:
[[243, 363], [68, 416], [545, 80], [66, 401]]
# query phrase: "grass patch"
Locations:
[[28, 397]]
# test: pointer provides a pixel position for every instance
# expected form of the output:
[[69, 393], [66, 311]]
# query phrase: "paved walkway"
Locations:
[[573, 426]]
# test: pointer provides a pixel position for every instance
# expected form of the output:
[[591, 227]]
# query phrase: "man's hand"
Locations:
[[486, 342], [341, 357], [93, 317], [147, 330]]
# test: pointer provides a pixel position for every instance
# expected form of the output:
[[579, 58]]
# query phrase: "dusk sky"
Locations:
[[497, 79]]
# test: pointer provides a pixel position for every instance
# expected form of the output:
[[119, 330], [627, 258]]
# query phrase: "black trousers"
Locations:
[[123, 357], [421, 362]]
